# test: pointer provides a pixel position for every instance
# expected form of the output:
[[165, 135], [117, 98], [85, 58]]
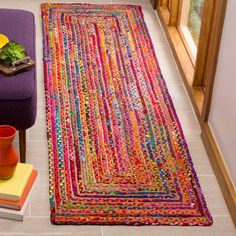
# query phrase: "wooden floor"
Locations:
[[37, 221]]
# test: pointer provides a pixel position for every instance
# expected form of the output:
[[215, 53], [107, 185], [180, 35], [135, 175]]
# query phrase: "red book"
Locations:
[[17, 205]]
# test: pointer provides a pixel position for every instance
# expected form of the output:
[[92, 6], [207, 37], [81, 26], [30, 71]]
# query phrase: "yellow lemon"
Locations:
[[3, 40]]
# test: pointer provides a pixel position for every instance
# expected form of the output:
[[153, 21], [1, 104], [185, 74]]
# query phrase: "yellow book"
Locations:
[[13, 188]]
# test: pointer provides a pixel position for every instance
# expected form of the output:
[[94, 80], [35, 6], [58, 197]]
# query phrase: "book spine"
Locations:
[[14, 215]]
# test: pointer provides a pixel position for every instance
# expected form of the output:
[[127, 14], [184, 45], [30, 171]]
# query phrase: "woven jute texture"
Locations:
[[117, 153]]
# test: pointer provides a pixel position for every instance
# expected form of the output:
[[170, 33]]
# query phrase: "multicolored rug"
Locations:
[[117, 153]]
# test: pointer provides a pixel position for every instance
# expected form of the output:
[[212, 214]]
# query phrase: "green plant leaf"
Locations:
[[12, 52]]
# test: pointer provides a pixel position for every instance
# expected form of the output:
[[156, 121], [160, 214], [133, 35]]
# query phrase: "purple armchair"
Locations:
[[18, 94]]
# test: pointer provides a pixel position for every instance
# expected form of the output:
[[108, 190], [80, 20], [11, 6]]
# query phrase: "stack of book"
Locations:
[[15, 193]]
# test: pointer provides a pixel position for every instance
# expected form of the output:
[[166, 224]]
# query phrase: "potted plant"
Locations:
[[12, 52], [14, 59]]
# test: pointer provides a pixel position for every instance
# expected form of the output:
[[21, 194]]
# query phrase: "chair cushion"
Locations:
[[19, 113], [19, 26]]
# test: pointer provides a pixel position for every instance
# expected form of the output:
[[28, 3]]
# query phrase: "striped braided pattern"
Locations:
[[117, 154]]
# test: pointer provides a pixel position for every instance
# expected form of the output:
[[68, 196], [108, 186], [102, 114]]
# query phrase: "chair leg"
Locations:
[[22, 141]]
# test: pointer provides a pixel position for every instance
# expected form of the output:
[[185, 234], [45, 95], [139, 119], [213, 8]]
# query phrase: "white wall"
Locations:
[[223, 110]]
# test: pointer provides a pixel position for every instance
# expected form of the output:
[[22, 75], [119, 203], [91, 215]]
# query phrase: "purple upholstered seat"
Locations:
[[18, 93]]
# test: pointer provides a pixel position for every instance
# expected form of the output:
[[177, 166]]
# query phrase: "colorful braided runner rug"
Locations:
[[117, 153]]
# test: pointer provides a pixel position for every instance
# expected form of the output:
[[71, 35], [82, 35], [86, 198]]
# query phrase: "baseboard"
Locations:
[[220, 170]]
